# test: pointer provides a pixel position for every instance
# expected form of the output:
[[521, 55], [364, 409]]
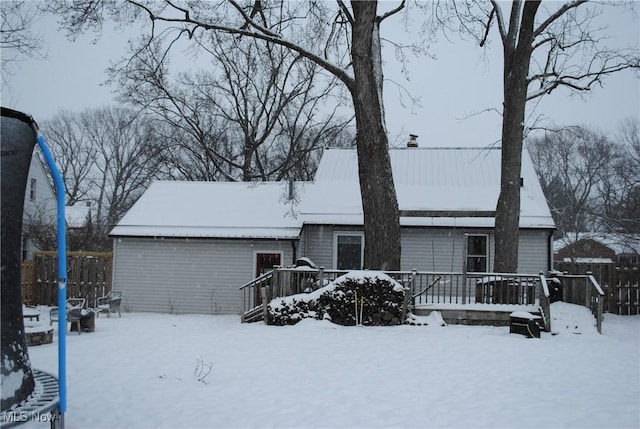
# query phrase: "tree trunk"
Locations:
[[517, 56], [379, 202]]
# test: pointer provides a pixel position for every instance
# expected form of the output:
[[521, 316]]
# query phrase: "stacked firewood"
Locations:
[[360, 298]]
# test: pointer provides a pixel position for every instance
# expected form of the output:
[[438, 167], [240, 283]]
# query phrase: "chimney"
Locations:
[[412, 141], [292, 188]]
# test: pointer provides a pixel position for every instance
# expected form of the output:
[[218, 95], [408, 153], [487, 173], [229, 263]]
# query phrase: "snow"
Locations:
[[213, 209], [149, 370], [589, 260], [12, 381], [450, 184], [524, 315], [445, 180]]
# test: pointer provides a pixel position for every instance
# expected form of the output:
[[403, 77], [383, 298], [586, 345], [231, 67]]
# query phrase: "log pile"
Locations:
[[359, 298]]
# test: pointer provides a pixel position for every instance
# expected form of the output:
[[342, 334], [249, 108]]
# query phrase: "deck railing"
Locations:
[[584, 290], [427, 288], [251, 293], [544, 301], [473, 288], [424, 287]]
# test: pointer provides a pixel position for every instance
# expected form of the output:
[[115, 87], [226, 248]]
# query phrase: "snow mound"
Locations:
[[572, 319]]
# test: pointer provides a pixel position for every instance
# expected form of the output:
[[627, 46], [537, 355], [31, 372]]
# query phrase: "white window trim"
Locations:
[[335, 246], [487, 249], [33, 183]]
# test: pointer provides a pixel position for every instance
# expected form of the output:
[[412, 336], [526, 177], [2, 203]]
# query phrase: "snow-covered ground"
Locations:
[[190, 371]]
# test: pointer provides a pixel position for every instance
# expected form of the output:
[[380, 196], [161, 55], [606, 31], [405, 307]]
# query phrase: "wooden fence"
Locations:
[[88, 276], [620, 282]]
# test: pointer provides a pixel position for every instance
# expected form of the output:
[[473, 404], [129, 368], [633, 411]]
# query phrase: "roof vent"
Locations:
[[412, 141]]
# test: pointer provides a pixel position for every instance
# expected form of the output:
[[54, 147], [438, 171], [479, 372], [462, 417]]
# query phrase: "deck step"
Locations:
[[254, 315], [471, 317]]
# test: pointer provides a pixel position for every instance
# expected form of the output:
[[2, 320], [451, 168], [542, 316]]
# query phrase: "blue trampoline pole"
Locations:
[[62, 276]]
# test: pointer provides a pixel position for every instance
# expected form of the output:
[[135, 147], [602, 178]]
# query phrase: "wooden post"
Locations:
[[265, 310], [545, 302], [276, 281], [611, 289], [321, 277], [408, 292], [587, 292], [599, 315], [464, 269]]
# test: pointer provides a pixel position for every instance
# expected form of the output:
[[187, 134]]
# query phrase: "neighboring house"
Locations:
[[188, 246], [39, 202], [593, 248]]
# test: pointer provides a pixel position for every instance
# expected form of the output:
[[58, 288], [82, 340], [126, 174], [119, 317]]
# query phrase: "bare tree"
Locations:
[[40, 227], [572, 163], [75, 156], [108, 156], [344, 41], [18, 40], [544, 48], [620, 190], [251, 119]]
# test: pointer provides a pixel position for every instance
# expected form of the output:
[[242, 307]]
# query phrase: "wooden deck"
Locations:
[[480, 314], [461, 298]]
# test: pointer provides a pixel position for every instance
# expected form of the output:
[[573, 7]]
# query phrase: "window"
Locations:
[[32, 189], [477, 253], [348, 250]]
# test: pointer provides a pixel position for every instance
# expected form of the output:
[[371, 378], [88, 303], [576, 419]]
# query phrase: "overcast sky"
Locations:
[[460, 82]]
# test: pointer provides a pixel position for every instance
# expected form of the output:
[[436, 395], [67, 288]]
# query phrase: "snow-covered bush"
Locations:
[[374, 296]]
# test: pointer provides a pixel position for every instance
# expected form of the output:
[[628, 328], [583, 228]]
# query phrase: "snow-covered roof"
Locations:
[[212, 209], [619, 243], [434, 186]]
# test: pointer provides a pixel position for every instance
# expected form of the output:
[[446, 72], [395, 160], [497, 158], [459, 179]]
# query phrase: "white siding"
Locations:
[[187, 276], [437, 250], [43, 206], [432, 249], [317, 244], [534, 254]]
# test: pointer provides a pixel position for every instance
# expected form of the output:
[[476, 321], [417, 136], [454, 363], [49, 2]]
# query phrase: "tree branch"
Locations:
[[392, 12], [487, 28], [500, 19], [560, 12], [262, 34]]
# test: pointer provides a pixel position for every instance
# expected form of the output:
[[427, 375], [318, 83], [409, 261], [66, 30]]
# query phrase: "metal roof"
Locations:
[[438, 186], [435, 187]]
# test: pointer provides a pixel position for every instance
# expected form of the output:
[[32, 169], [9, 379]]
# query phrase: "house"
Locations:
[[597, 248], [40, 207], [188, 246], [39, 202]]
